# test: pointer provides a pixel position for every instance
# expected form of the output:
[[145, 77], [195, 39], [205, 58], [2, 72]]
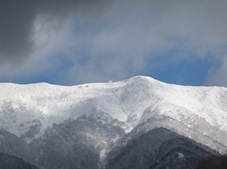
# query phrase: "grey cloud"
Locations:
[[146, 26], [15, 27], [17, 21]]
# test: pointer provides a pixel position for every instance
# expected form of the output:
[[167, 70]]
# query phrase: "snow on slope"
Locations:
[[132, 101]]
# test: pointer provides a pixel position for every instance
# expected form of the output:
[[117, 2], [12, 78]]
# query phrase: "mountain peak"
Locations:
[[142, 79]]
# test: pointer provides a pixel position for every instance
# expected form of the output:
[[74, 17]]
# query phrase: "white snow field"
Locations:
[[132, 101]]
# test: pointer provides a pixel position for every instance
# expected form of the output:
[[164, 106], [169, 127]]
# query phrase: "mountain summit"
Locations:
[[135, 123]]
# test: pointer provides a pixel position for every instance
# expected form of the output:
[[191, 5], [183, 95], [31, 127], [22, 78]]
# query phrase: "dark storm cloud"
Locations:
[[17, 18], [15, 27]]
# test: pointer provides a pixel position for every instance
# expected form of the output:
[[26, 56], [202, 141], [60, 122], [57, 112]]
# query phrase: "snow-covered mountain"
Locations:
[[100, 120]]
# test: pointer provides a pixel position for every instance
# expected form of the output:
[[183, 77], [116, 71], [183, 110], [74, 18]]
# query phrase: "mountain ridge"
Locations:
[[98, 118], [145, 90]]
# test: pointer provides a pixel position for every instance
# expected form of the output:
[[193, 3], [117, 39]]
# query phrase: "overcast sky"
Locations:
[[70, 42]]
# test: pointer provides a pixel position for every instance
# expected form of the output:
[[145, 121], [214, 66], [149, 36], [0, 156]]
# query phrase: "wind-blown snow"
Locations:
[[132, 101]]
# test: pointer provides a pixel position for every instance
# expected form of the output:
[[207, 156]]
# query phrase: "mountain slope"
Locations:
[[10, 162], [158, 148], [52, 123]]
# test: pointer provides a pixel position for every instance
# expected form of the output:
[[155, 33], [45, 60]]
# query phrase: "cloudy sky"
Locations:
[[70, 42]]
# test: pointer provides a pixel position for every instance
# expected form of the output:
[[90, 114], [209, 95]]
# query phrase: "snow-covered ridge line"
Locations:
[[131, 101]]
